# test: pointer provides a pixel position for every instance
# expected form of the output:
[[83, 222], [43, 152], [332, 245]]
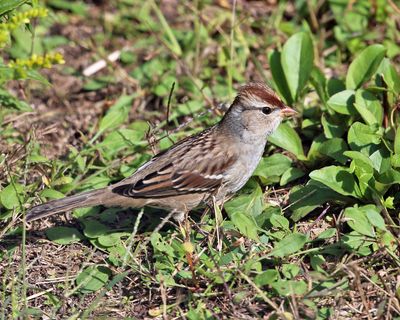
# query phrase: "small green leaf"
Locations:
[[297, 60], [10, 196], [287, 138], [94, 229], [304, 199], [272, 166], [290, 175], [364, 66], [245, 224], [278, 76], [339, 179], [361, 135], [92, 278], [250, 204], [52, 194], [342, 102], [64, 235], [333, 126], [290, 287], [290, 244], [334, 148], [369, 107], [390, 76], [357, 219], [267, 277]]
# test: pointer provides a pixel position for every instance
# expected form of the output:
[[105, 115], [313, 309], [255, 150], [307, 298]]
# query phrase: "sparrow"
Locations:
[[208, 166]]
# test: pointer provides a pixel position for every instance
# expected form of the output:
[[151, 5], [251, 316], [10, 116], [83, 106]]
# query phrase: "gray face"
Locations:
[[257, 118]]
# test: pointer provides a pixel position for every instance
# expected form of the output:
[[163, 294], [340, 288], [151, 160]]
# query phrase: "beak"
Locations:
[[287, 112]]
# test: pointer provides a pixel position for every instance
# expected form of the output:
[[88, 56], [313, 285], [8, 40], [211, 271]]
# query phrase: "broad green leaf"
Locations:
[[287, 138], [272, 166], [8, 5], [334, 148], [11, 195], [374, 216], [290, 287], [390, 75], [94, 229], [361, 135], [357, 219], [290, 270], [333, 127], [304, 199], [109, 240], [290, 244], [249, 204], [364, 66], [290, 175], [369, 107], [342, 102], [338, 179], [297, 60], [64, 235], [278, 76], [52, 194], [318, 80], [356, 242], [267, 277], [92, 278], [246, 225]]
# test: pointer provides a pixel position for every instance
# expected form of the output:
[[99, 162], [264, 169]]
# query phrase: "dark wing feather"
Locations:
[[189, 170]]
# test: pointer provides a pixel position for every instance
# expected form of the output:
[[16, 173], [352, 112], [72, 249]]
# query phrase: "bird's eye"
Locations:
[[266, 110]]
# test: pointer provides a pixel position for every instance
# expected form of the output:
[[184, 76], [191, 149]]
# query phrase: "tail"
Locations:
[[80, 200]]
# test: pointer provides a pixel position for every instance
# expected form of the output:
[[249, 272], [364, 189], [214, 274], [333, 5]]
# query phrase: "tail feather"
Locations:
[[80, 200]]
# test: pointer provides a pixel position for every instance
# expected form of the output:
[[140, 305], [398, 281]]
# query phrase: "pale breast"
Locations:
[[249, 157]]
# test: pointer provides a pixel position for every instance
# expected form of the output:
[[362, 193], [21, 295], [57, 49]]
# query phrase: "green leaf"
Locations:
[[364, 66], [64, 235], [8, 5], [10, 196], [93, 278], [297, 60], [390, 76], [304, 199], [334, 148], [94, 229], [249, 204], [397, 141], [287, 138], [116, 115], [342, 102], [290, 244], [333, 127], [290, 175], [272, 166], [246, 225], [290, 287], [369, 107], [52, 194], [266, 278], [278, 76], [357, 220], [339, 179], [361, 135]]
